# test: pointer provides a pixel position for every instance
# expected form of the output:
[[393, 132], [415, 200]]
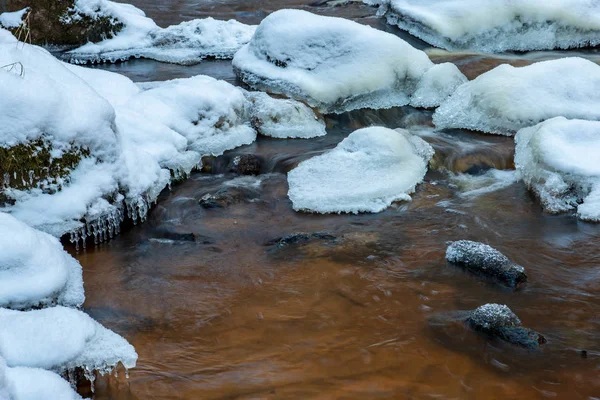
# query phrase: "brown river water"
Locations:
[[230, 316]]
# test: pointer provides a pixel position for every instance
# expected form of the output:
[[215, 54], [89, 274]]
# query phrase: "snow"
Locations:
[[283, 118], [21, 383], [34, 268], [338, 65], [557, 160], [187, 43], [13, 19], [366, 172], [506, 99], [497, 25], [61, 339]]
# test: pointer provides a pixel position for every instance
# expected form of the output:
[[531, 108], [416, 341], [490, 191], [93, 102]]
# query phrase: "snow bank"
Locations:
[[283, 118], [21, 383], [497, 25], [366, 172], [13, 19], [557, 159], [187, 43], [61, 339], [507, 99], [338, 65], [34, 268]]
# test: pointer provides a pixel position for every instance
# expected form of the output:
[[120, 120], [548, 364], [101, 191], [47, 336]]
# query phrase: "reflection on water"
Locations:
[[216, 312]]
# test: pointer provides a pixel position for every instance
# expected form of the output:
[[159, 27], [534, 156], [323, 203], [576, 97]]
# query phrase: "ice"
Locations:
[[497, 25], [61, 339], [338, 65], [506, 99], [557, 160], [282, 118], [187, 43], [34, 269], [21, 383], [366, 172], [13, 19]]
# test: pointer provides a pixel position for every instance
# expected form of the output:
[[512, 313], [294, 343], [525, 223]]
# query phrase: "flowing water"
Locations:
[[217, 310]]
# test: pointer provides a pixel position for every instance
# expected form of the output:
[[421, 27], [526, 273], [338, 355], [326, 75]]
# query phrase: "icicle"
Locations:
[[90, 376]]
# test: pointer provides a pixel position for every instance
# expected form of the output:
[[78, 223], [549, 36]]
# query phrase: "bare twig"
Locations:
[[16, 67]]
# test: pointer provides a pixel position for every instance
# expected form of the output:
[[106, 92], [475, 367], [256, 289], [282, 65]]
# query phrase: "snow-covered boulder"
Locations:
[[61, 339], [338, 65], [283, 118], [496, 25], [22, 383], [34, 269], [507, 98], [366, 172], [187, 43], [557, 160]]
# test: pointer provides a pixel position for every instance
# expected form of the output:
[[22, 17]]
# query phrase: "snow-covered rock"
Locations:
[[339, 65], [497, 25], [34, 269], [22, 383], [61, 339], [557, 159], [507, 98], [283, 118], [13, 19], [366, 172], [187, 43]]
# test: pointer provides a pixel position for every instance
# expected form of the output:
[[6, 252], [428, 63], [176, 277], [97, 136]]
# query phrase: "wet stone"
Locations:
[[484, 260], [499, 321], [231, 194], [300, 238], [246, 164]]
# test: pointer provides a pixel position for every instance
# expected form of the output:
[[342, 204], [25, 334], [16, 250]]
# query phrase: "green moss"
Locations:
[[30, 165]]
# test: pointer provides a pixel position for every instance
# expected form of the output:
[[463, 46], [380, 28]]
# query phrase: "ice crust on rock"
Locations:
[[34, 268], [22, 383], [557, 160], [187, 43], [366, 172], [283, 118], [497, 25], [338, 65], [507, 98], [61, 339]]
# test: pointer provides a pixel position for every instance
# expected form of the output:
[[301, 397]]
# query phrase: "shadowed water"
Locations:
[[217, 311]]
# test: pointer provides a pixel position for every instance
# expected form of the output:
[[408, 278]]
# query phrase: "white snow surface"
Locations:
[[13, 19], [34, 268], [497, 25], [339, 65], [187, 43], [366, 172], [22, 383], [557, 159], [61, 339], [507, 98]]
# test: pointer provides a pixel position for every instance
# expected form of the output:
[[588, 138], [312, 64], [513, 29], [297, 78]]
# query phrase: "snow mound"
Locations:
[[497, 25], [22, 383], [507, 99], [338, 65], [61, 339], [282, 118], [13, 19], [35, 270], [187, 43], [366, 172], [557, 160]]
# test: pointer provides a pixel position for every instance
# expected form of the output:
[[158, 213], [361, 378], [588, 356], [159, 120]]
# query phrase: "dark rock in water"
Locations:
[[56, 22], [247, 164], [176, 236], [238, 190], [499, 321], [485, 260], [300, 237]]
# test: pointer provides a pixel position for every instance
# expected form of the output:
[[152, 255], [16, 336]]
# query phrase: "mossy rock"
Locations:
[[31, 165], [51, 22]]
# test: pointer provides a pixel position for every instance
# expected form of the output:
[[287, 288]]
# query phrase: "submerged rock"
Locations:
[[300, 237], [485, 260], [499, 321], [238, 190]]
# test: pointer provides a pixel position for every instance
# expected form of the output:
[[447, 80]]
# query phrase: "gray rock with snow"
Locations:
[[485, 260]]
